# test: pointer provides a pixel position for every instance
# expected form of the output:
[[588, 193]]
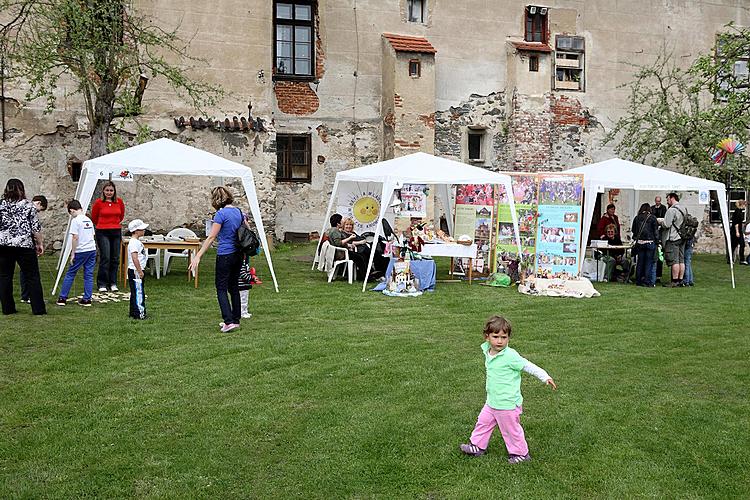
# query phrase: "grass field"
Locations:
[[328, 392]]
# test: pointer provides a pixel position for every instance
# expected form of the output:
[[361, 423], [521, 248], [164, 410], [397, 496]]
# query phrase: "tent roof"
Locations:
[[623, 174], [422, 168], [168, 157]]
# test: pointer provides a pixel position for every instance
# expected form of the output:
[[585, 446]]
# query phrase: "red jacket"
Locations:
[[107, 214]]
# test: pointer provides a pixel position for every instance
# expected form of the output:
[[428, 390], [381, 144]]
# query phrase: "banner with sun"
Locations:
[[361, 202]]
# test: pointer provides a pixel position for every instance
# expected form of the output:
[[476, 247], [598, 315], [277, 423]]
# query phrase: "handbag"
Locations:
[[247, 240]]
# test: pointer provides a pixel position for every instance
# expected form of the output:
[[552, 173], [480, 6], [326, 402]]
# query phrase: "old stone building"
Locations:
[[337, 84]]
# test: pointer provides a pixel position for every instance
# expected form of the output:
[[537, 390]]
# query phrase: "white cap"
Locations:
[[136, 224]]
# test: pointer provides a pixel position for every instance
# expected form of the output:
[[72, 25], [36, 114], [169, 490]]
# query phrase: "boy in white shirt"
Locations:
[[82, 254], [137, 257]]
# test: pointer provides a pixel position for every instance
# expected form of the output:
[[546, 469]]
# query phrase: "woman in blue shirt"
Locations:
[[227, 220]]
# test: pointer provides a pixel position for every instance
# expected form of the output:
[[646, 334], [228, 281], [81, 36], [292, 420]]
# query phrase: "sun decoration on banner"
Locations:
[[363, 208], [724, 148]]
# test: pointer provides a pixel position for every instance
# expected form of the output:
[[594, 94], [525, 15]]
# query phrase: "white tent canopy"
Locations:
[[419, 168], [622, 174], [164, 157]]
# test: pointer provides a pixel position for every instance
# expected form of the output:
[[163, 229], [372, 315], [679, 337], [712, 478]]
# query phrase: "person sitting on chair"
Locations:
[[622, 265]]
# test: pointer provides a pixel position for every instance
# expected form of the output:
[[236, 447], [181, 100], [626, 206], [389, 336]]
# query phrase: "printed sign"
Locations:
[[474, 213]]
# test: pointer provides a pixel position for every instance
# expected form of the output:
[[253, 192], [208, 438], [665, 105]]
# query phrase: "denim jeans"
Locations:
[[227, 287], [688, 278], [644, 271], [108, 243], [87, 261]]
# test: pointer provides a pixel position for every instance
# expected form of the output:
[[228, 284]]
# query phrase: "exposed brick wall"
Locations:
[[320, 55], [530, 136], [567, 111], [397, 101], [428, 120], [296, 98]]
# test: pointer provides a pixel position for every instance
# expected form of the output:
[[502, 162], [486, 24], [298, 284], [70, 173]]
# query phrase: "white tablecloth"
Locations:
[[450, 250]]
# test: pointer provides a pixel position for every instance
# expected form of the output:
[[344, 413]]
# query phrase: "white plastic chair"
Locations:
[[179, 232], [325, 249], [155, 255]]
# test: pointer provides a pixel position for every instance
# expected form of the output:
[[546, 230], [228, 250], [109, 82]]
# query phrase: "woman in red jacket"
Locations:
[[107, 214]]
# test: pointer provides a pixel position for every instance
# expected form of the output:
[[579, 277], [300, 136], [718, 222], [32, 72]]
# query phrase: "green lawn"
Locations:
[[329, 392]]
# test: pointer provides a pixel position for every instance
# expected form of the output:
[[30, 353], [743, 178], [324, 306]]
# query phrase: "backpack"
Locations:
[[247, 240], [689, 226]]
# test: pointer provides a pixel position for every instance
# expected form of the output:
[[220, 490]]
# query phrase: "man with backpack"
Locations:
[[674, 243]]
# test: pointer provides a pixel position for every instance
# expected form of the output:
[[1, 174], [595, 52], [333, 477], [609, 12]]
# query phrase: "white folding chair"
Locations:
[[325, 249], [180, 232], [154, 254]]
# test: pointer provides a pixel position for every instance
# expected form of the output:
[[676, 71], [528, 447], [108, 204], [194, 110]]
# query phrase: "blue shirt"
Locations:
[[230, 219]]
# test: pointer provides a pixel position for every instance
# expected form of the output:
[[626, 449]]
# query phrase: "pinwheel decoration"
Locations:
[[724, 148]]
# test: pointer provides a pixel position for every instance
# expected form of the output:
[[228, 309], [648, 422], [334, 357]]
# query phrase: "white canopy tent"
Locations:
[[163, 157], [419, 168], [622, 174]]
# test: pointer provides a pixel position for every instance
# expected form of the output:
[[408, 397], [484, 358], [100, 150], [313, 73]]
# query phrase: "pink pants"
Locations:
[[509, 422]]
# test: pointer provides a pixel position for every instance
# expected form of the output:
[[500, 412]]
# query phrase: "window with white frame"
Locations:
[[569, 63], [415, 10]]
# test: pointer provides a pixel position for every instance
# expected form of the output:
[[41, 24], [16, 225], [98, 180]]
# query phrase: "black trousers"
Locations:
[[227, 286], [108, 241], [27, 261], [738, 242]]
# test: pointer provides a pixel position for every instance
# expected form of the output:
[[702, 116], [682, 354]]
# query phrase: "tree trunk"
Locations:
[[103, 115]]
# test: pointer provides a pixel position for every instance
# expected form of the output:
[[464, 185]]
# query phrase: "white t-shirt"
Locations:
[[134, 245], [84, 228]]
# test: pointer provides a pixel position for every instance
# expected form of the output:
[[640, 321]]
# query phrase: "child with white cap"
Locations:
[[137, 257]]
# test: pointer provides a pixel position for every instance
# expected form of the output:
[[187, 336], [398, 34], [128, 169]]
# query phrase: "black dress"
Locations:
[[735, 228]]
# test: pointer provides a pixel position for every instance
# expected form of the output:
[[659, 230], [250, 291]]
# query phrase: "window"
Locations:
[[739, 79], [415, 68], [735, 195], [293, 158], [569, 63], [534, 63], [536, 24], [415, 11], [294, 32], [475, 144]]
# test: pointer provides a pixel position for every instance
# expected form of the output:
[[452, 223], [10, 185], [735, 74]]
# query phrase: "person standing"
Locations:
[[107, 214], [657, 210], [608, 218], [21, 242], [226, 222], [645, 232], [40, 203], [674, 247], [736, 230], [137, 257], [82, 255]]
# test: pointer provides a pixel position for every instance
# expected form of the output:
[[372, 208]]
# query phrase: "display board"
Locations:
[[360, 202], [525, 199], [558, 230], [473, 217]]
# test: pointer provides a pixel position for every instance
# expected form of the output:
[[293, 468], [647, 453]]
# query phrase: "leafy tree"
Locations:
[[106, 46], [677, 115]]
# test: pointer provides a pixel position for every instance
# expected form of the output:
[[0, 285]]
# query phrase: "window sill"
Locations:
[[295, 181], [476, 160], [294, 78]]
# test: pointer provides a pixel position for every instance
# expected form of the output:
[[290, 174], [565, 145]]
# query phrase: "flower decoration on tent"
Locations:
[[724, 148]]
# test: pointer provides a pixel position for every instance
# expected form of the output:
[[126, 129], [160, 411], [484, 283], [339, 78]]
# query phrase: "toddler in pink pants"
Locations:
[[503, 407]]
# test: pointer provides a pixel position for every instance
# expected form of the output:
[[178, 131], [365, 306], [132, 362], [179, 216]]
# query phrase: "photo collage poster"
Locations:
[[413, 200], [558, 233], [474, 211], [525, 199]]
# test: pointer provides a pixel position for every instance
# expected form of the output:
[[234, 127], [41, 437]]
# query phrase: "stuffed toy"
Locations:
[[417, 238]]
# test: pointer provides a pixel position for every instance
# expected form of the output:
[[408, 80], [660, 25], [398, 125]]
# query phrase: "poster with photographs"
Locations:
[[474, 212], [413, 200], [558, 225], [524, 197]]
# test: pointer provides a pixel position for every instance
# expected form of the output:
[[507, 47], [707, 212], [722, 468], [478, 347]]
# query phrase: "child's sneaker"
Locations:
[[247, 315], [102, 288], [61, 301], [473, 450], [84, 302], [229, 327], [517, 459], [114, 288]]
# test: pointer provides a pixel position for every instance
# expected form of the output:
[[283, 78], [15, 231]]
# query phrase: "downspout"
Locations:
[[2, 95]]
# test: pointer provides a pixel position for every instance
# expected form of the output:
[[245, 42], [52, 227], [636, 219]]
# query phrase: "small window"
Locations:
[[415, 68], [569, 63], [475, 144], [534, 63], [294, 33], [536, 24], [293, 158], [415, 10]]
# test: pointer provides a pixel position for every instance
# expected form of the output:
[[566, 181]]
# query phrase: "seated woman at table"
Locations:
[[359, 250], [622, 264]]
